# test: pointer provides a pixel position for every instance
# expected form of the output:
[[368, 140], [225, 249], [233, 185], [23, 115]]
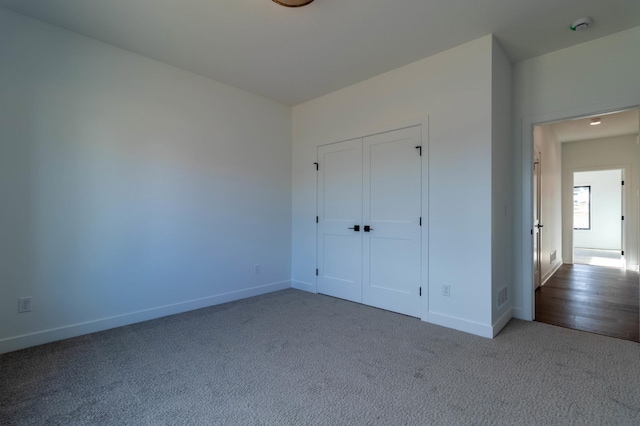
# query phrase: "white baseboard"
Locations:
[[482, 330], [301, 285], [518, 313], [554, 268], [45, 336], [502, 321]]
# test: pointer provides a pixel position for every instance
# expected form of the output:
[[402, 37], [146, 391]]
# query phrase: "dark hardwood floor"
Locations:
[[591, 298]]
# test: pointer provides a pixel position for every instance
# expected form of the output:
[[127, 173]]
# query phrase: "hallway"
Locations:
[[591, 298]]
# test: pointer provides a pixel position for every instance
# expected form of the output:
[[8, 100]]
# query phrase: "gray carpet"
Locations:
[[293, 358]]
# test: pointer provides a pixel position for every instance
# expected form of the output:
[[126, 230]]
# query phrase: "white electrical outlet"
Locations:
[[24, 304], [446, 290], [256, 269]]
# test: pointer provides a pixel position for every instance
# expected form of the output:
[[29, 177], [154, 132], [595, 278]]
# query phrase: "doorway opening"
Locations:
[[585, 203], [598, 218]]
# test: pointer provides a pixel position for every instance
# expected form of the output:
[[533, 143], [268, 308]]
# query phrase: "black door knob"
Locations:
[[356, 228]]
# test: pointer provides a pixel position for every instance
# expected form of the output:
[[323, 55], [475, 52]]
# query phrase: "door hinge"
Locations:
[[317, 220], [420, 221], [316, 272], [622, 217], [317, 166], [622, 183], [532, 231], [420, 291], [622, 253], [419, 147]]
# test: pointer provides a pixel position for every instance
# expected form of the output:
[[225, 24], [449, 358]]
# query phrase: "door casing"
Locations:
[[526, 310]]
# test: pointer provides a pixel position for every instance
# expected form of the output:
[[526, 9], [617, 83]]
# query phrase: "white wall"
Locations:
[[545, 140], [501, 253], [602, 154], [600, 75], [454, 89], [130, 189], [606, 210]]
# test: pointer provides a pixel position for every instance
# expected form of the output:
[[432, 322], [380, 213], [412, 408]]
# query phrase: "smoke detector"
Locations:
[[581, 24]]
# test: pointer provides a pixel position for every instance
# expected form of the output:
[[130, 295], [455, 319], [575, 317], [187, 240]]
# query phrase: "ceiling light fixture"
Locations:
[[579, 24], [293, 3], [595, 121]]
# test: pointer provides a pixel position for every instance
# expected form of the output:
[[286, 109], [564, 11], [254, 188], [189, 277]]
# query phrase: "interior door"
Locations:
[[392, 208], [536, 218], [623, 225], [339, 220]]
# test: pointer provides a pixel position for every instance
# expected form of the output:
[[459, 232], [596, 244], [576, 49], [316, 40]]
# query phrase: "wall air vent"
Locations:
[[503, 296]]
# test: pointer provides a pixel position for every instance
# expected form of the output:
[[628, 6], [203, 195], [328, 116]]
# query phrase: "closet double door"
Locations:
[[369, 220]]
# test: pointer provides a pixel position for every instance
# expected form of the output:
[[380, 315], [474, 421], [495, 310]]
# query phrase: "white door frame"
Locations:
[[537, 232], [526, 278]]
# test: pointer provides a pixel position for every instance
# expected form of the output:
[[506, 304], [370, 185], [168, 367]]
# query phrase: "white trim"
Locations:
[[40, 337], [518, 313], [482, 330], [554, 268], [424, 230], [502, 321], [304, 286], [374, 129], [526, 312]]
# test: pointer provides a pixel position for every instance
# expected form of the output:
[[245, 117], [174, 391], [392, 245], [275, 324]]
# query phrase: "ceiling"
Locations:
[[296, 54], [615, 124]]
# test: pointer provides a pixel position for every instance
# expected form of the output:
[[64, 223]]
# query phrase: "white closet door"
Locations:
[[340, 208], [392, 171]]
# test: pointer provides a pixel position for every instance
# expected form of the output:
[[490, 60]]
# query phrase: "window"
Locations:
[[582, 207]]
